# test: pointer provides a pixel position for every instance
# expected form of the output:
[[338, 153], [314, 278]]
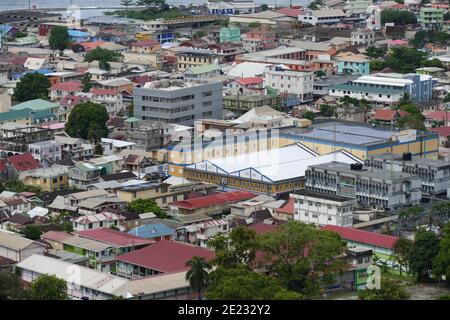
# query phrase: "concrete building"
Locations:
[[435, 174], [230, 34], [178, 102], [192, 57], [386, 88], [373, 188], [363, 37], [353, 64], [432, 18], [355, 7], [290, 82], [49, 179], [322, 209], [231, 7], [204, 72], [322, 17], [46, 152]]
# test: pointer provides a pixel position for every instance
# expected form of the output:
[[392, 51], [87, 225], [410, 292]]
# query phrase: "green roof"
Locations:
[[35, 105], [43, 114], [344, 86], [132, 119], [203, 69], [14, 115]]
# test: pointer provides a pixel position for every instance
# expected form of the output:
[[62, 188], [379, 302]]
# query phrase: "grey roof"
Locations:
[[87, 244], [191, 218], [15, 242]]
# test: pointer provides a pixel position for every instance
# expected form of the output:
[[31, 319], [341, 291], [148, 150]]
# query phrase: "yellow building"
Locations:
[[189, 58], [359, 139], [47, 179]]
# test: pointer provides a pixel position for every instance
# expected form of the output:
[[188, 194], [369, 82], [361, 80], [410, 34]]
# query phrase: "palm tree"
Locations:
[[198, 275]]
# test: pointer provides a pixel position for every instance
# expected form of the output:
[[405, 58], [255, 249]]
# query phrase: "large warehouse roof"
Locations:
[[272, 165]]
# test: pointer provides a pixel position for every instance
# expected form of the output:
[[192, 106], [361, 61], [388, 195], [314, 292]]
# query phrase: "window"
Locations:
[[90, 225], [101, 224]]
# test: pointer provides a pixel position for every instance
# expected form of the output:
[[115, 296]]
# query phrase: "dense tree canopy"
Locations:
[[244, 284], [32, 232], [389, 290], [399, 17], [103, 56], [59, 38], [87, 120], [301, 256], [144, 206], [423, 37], [10, 287], [32, 86], [441, 264], [425, 249], [48, 287], [375, 52]]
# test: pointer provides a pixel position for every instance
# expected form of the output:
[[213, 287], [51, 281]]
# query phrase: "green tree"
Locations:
[[103, 56], [375, 52], [327, 110], [244, 284], [32, 86], [86, 81], [198, 275], [441, 264], [264, 7], [255, 24], [67, 226], [87, 120], [10, 287], [423, 253], [309, 115], [432, 63], [302, 257], [48, 287], [389, 290], [402, 253], [144, 206], [236, 249], [59, 38], [199, 34], [320, 74], [399, 17], [126, 3], [31, 232], [376, 65]]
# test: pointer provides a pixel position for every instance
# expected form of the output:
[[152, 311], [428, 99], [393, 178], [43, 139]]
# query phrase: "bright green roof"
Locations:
[[203, 69], [132, 119], [35, 105]]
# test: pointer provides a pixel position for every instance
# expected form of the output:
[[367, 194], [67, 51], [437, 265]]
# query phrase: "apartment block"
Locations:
[[373, 188], [434, 174], [178, 101]]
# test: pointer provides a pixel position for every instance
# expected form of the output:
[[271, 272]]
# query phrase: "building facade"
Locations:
[[290, 82], [178, 102]]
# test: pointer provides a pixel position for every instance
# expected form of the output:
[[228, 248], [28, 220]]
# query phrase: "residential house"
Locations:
[[83, 174], [146, 46], [17, 164], [259, 39], [91, 284], [97, 205], [355, 64], [154, 231], [74, 148], [96, 221], [119, 177], [61, 89], [49, 179], [109, 164], [164, 256], [18, 248], [388, 116], [230, 34], [46, 152], [113, 146]]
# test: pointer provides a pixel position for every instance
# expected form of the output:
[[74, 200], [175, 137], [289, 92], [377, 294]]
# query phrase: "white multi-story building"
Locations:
[[290, 82], [323, 209], [363, 37], [357, 6], [110, 98], [322, 17], [46, 152], [231, 7]]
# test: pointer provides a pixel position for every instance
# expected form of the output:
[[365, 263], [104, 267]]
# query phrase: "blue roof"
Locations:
[[17, 76], [77, 33], [152, 230], [5, 28]]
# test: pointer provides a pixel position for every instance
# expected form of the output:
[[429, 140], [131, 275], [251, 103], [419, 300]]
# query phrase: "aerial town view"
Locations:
[[207, 150]]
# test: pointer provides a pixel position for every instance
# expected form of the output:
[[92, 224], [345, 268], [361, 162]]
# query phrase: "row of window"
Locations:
[[168, 100]]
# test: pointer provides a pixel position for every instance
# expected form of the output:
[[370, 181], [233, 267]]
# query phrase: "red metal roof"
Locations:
[[114, 237], [442, 131], [250, 80], [24, 162], [361, 236], [438, 115], [69, 86], [146, 43], [166, 256], [91, 45], [287, 207], [55, 236], [104, 91], [293, 13], [214, 199], [262, 227]]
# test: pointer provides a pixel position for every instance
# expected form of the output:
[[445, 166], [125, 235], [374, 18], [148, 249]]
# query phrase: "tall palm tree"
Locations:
[[198, 275]]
